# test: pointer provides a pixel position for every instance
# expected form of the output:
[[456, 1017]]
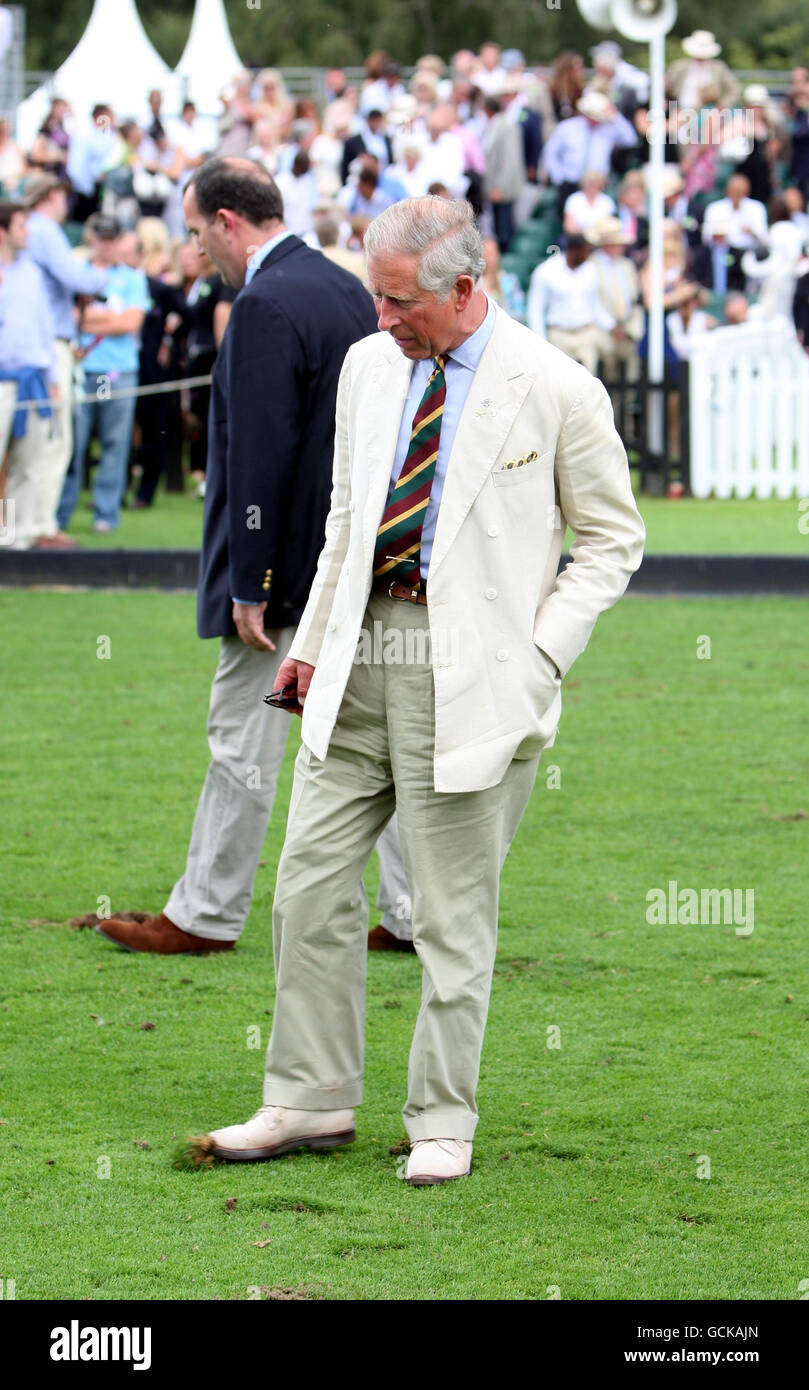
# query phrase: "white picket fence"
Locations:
[[749, 412]]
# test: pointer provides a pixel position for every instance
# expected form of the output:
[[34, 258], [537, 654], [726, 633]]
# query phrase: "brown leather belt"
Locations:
[[394, 589]]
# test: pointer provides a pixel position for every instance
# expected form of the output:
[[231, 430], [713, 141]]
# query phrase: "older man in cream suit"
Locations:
[[429, 662]]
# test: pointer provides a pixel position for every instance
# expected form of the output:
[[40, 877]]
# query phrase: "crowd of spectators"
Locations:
[[101, 292]]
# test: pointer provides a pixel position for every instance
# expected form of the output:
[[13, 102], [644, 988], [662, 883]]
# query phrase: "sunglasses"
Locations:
[[285, 698]]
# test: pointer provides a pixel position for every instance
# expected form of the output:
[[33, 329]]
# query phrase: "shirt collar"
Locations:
[[469, 352], [258, 257]]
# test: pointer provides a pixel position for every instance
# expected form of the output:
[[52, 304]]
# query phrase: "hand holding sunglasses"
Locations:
[[285, 698]]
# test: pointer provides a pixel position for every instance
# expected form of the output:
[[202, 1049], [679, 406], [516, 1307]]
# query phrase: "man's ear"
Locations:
[[464, 289], [228, 219]]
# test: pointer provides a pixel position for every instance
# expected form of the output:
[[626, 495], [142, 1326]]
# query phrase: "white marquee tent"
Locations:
[[210, 61], [113, 61]]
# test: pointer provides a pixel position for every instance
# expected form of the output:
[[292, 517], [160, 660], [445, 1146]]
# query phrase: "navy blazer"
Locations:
[[271, 435]]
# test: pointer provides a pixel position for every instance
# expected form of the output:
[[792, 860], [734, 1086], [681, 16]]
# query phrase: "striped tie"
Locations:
[[398, 542]]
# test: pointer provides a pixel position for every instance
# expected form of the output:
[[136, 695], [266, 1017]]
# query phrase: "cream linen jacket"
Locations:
[[536, 449]]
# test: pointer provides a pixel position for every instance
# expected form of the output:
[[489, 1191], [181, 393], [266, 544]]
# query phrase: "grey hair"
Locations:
[[440, 231]]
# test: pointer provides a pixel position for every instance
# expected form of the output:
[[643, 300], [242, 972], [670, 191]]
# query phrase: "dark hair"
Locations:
[[103, 227], [301, 164], [778, 211], [252, 193], [7, 211]]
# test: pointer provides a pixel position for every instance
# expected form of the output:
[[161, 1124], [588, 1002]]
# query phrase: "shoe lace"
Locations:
[[449, 1146]]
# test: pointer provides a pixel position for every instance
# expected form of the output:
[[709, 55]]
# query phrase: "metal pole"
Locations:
[[657, 68]]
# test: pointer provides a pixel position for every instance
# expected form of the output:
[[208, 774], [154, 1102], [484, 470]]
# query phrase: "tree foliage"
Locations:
[[772, 34]]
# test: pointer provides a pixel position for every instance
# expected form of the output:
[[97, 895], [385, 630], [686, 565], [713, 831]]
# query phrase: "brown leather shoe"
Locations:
[[159, 936], [58, 542], [380, 939]]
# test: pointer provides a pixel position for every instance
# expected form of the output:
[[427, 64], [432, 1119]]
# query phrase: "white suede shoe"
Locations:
[[438, 1160], [274, 1130]]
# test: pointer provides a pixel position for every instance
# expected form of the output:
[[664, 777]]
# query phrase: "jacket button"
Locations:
[[492, 531], [502, 655], [332, 625], [490, 593], [266, 584]]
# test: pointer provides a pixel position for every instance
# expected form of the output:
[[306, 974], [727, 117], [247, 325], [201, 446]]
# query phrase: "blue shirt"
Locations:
[[258, 257], [64, 274], [26, 323], [459, 372], [87, 155], [126, 289]]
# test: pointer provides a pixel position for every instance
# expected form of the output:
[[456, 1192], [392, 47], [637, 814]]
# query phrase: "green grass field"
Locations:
[[682, 1048], [684, 526]]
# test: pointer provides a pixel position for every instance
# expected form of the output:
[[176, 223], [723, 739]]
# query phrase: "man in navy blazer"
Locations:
[[268, 485]]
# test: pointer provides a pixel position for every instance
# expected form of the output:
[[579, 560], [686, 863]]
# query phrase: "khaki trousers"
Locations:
[[579, 343], [22, 516], [613, 351], [453, 847], [59, 446], [247, 740]]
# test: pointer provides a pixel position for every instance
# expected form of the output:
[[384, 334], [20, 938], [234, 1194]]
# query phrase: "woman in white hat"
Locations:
[[701, 67]]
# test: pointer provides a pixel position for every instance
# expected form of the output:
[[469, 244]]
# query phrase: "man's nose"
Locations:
[[387, 316]]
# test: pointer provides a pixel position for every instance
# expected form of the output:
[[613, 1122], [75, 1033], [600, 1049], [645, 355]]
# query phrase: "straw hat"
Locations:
[[608, 232], [756, 95], [673, 182], [597, 106], [701, 44]]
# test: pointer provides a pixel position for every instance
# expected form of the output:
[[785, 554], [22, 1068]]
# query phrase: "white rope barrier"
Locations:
[[156, 389]]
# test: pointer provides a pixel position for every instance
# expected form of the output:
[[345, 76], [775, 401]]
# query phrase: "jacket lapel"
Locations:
[[497, 392], [389, 381]]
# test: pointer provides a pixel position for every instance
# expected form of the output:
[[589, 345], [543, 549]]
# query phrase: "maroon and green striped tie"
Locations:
[[398, 541]]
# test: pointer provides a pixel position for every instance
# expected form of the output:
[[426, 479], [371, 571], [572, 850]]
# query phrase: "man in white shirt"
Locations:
[[442, 155], [489, 76], [585, 141], [564, 305], [738, 219], [381, 94], [191, 138]]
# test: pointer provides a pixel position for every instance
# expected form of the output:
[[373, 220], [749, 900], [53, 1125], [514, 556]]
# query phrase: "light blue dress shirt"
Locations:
[[26, 322], [64, 274], [461, 365], [259, 257]]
